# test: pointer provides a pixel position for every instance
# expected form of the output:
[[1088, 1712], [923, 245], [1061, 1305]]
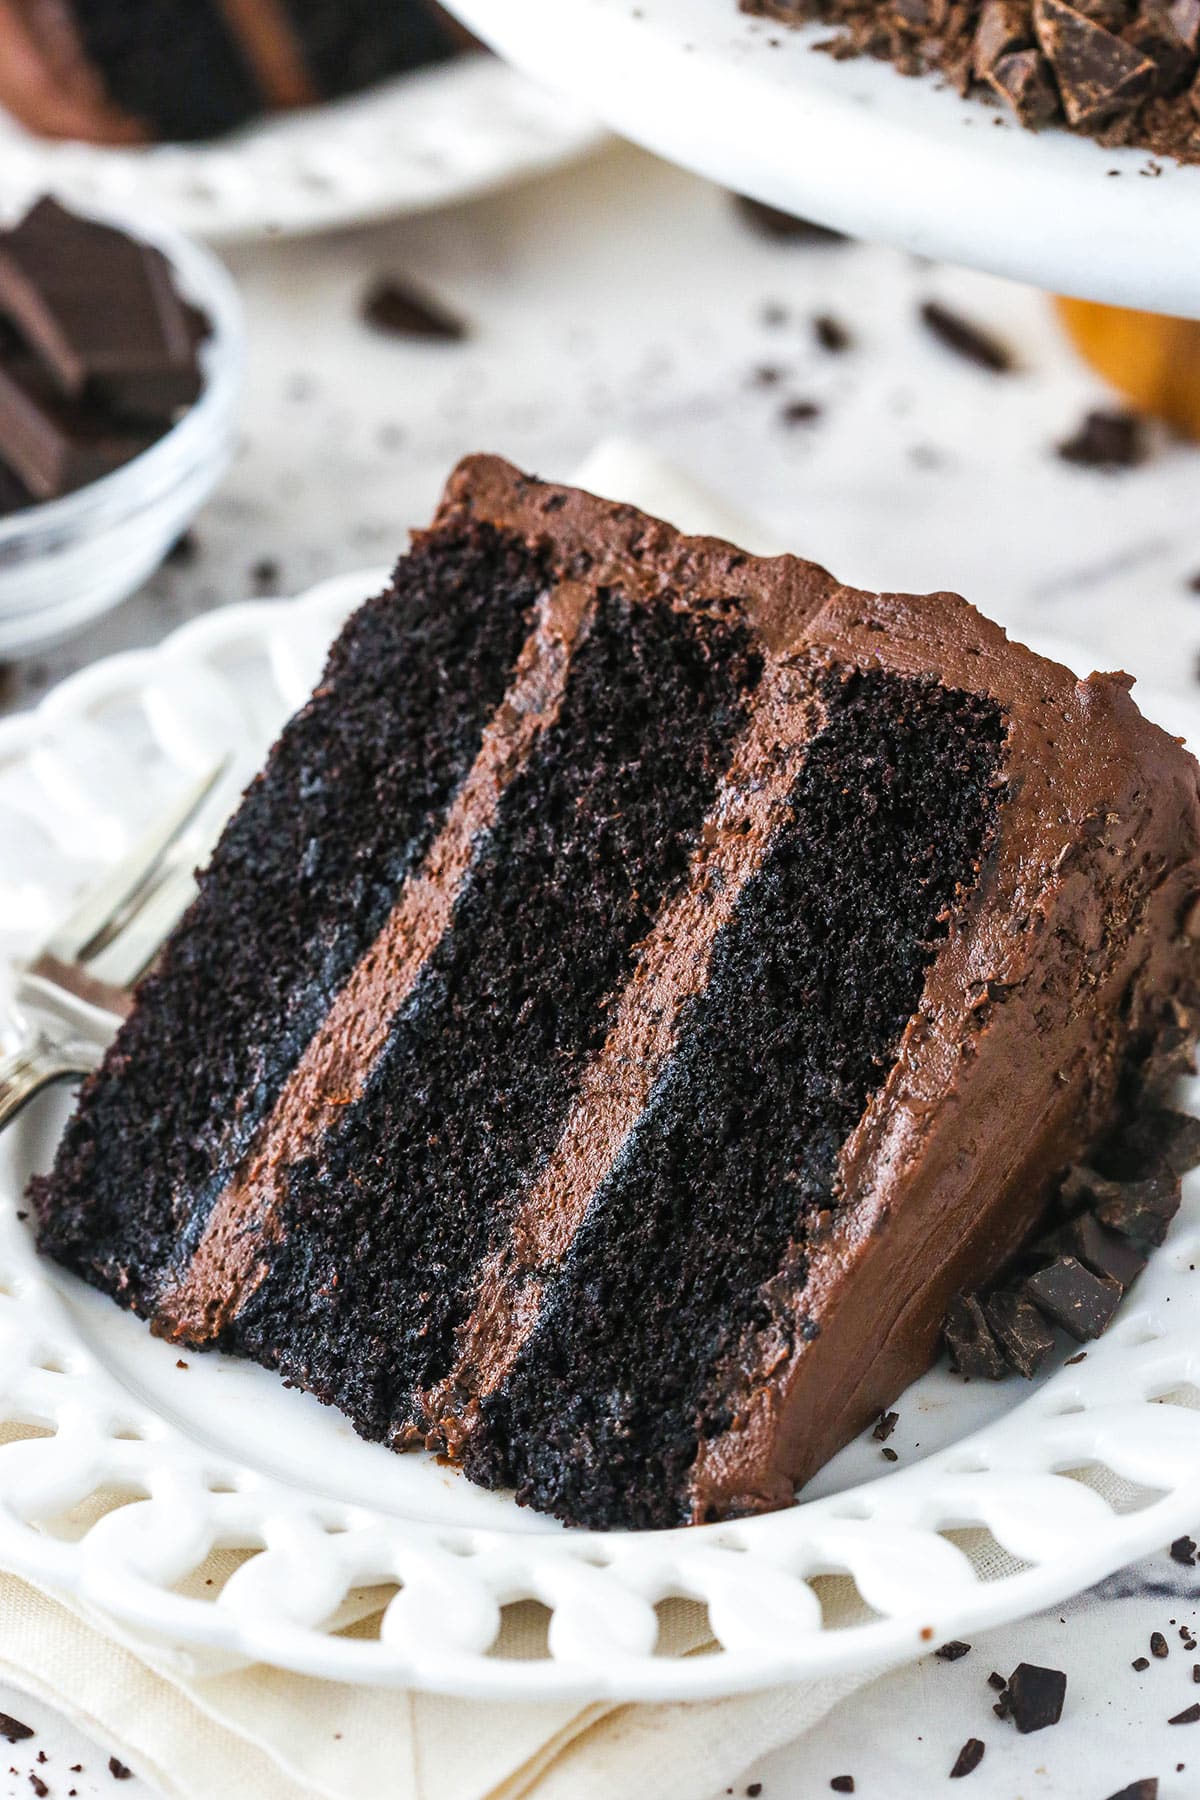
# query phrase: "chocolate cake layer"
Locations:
[[742, 962]]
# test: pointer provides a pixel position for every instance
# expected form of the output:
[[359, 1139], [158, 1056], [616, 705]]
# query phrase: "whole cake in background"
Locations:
[[646, 986], [128, 71], [1122, 71]]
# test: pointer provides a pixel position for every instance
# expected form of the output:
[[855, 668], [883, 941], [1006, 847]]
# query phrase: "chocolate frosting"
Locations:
[[1075, 949]]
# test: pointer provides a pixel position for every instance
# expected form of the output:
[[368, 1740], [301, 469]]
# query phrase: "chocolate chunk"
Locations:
[[1104, 1252], [973, 1350], [13, 1729], [101, 311], [117, 1770], [1160, 1137], [1189, 1716], [1140, 1209], [952, 1651], [38, 1785], [800, 412], [1082, 1303], [1023, 78], [889, 1453], [885, 1425], [1107, 440], [1022, 1333], [1158, 1645], [831, 334], [1035, 1696], [54, 444], [842, 1784], [1139, 1663], [1166, 32], [965, 339], [1183, 1550], [968, 1758], [1098, 74], [1145, 1789], [1005, 26], [784, 227], [997, 1682], [391, 306]]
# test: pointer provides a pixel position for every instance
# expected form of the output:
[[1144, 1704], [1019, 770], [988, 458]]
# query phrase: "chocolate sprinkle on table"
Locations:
[[890, 1454], [1188, 1716], [831, 334], [953, 1650], [800, 412], [38, 1785], [1158, 1645], [1183, 1550], [997, 1681], [1139, 1663], [398, 310], [117, 1770], [968, 1759], [13, 1729], [1034, 1697], [1107, 440], [966, 339]]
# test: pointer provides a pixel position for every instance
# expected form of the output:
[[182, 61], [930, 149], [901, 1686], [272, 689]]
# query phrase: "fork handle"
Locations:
[[35, 1063]]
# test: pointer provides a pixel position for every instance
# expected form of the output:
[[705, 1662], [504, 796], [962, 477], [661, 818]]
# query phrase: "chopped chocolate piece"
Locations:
[[831, 334], [1097, 73], [1022, 1333], [100, 308], [1183, 1550], [997, 1682], [973, 1350], [1140, 1209], [1158, 1644], [1107, 440], [968, 1758], [885, 1425], [393, 307], [1079, 1356], [889, 1453], [842, 1784], [13, 1729], [1004, 26], [54, 444], [1035, 1696], [1023, 78], [1145, 1789], [38, 1785], [1103, 1251], [1189, 1716], [800, 412], [117, 1770], [1157, 1136], [1082, 1303], [754, 1790], [1139, 1663], [952, 1651], [966, 339], [785, 227]]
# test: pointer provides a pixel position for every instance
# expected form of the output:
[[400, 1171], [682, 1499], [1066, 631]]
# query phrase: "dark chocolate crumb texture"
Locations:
[[1120, 71], [644, 987]]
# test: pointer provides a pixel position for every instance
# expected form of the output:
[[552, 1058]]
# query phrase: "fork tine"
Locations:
[[128, 954], [120, 887]]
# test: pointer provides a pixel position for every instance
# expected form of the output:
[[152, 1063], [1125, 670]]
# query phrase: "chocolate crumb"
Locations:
[[266, 574], [393, 307], [1196, 1671], [997, 1681], [184, 550], [13, 1729], [842, 1784], [179, 1363], [1034, 1697], [968, 1758], [966, 339], [1079, 1356], [885, 1425], [1139, 1663], [831, 334], [38, 1785], [889, 1453], [1188, 1716], [800, 412], [1106, 440], [1158, 1645], [953, 1650], [117, 1770], [754, 1790]]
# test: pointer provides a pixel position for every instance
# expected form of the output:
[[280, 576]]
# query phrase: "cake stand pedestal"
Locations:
[[857, 146]]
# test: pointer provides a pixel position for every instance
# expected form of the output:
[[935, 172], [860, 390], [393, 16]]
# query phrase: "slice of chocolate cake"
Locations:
[[644, 986]]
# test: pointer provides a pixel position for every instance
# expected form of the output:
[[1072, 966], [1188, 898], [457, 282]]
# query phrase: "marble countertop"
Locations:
[[624, 297]]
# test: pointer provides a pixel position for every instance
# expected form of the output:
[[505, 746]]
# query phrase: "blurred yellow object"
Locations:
[[1153, 361]]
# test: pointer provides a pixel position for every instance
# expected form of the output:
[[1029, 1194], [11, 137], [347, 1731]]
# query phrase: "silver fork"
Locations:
[[70, 998]]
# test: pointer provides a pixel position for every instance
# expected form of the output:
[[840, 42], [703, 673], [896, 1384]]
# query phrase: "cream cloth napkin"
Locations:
[[197, 1726]]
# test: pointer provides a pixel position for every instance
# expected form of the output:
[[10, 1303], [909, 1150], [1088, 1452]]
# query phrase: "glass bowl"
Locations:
[[64, 562]]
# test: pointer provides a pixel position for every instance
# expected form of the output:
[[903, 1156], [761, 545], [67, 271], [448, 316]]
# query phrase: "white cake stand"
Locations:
[[858, 146]]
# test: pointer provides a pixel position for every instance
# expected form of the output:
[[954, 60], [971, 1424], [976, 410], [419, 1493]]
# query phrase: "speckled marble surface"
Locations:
[[624, 297]]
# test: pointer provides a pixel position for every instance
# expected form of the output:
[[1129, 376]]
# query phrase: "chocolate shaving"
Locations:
[[1189, 1716], [968, 1758], [398, 310], [965, 339]]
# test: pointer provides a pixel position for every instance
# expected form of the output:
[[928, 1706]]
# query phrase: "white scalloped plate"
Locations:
[[428, 139], [859, 146], [1093, 1466]]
